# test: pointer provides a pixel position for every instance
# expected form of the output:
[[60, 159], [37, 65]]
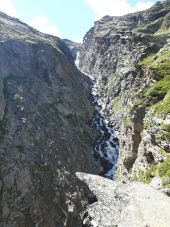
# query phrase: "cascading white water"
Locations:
[[77, 60], [107, 145]]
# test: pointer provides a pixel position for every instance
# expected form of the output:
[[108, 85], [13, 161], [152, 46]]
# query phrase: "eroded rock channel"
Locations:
[[107, 144]]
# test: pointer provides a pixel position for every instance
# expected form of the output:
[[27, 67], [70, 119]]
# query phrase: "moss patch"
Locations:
[[157, 95], [162, 171], [162, 108], [166, 128], [158, 90], [146, 176], [159, 62]]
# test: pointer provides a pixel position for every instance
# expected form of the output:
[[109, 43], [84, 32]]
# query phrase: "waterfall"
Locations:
[[107, 145], [77, 59]]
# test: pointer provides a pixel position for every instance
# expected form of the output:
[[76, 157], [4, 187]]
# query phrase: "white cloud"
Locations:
[[116, 7], [41, 23], [79, 40], [8, 7], [143, 5]]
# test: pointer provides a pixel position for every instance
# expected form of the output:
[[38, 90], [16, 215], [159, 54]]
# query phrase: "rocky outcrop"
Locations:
[[120, 204], [133, 89], [45, 133], [73, 46]]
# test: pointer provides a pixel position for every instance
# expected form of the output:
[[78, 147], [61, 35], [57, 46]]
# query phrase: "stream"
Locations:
[[107, 145]]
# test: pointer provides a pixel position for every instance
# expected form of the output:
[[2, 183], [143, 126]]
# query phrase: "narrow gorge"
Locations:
[[85, 128], [106, 147]]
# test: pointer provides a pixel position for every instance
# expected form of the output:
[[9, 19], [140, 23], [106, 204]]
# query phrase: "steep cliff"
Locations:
[[133, 88], [73, 46], [45, 133], [46, 123]]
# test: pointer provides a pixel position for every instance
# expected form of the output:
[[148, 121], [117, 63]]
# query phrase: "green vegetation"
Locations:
[[148, 61], [117, 105], [127, 120], [111, 81], [163, 152], [158, 90], [160, 63], [151, 27], [164, 168], [146, 176], [157, 94], [166, 182], [163, 107], [162, 32], [166, 128], [162, 171]]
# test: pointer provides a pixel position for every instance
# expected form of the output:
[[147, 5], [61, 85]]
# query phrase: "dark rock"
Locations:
[[45, 136], [106, 164]]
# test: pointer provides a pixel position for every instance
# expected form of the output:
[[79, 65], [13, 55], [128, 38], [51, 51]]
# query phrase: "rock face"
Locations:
[[119, 204], [73, 46], [134, 89], [45, 134]]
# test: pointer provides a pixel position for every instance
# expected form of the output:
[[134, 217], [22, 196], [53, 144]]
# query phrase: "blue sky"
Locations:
[[68, 18]]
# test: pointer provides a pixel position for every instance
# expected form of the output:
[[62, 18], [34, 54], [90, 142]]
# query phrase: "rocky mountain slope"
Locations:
[[45, 132], [129, 58], [47, 120]]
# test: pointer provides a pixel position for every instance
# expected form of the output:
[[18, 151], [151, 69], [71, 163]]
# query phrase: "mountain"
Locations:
[[128, 57], [45, 132], [62, 126]]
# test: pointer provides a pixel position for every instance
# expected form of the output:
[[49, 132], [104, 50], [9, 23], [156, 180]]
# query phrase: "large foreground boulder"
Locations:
[[120, 204]]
